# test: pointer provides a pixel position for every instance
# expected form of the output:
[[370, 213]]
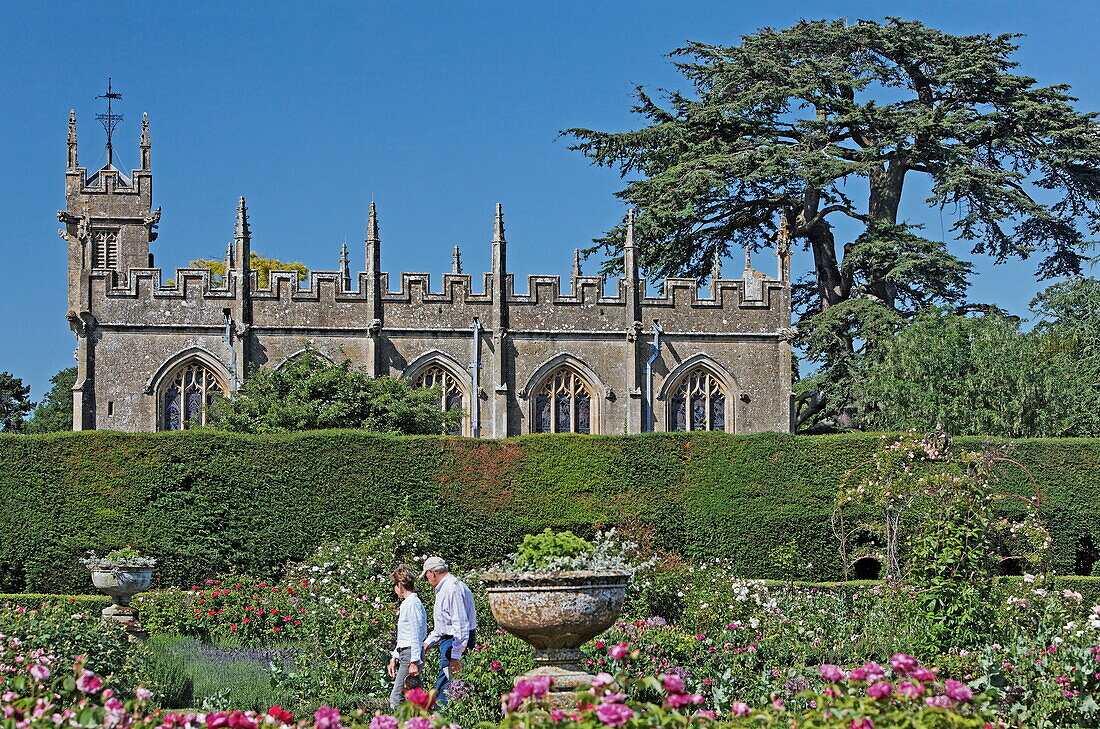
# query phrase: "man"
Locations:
[[412, 624], [453, 622]]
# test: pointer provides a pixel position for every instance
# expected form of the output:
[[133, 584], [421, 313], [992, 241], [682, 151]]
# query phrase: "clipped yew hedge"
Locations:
[[206, 502]]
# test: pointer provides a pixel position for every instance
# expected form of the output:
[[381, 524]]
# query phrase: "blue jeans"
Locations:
[[444, 679]]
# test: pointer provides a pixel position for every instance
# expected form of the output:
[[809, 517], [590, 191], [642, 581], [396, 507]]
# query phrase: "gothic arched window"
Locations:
[[188, 396], [698, 403], [451, 397], [563, 404]]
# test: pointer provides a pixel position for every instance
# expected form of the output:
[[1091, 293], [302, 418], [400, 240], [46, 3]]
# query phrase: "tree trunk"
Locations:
[[886, 183]]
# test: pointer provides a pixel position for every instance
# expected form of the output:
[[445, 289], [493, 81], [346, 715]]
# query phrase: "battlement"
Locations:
[[194, 284]]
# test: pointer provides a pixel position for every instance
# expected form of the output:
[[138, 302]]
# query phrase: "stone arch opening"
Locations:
[[1085, 556], [866, 568]]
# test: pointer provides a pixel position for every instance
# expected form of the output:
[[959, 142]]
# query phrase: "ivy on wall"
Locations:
[[208, 502]]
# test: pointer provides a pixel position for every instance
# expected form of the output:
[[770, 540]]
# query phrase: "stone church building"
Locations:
[[154, 356]]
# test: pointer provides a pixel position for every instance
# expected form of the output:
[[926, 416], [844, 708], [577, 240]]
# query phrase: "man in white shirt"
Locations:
[[453, 622], [412, 624]]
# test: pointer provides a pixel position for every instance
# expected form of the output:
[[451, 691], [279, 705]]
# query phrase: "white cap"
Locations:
[[434, 563]]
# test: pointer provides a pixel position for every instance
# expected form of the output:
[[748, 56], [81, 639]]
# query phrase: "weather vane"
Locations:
[[109, 120]]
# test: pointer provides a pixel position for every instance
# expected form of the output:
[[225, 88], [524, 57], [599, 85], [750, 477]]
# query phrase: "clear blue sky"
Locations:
[[437, 110]]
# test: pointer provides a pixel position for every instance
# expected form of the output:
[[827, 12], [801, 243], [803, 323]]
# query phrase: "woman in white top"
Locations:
[[412, 627]]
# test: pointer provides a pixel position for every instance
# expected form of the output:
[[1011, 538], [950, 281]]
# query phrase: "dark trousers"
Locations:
[[444, 678]]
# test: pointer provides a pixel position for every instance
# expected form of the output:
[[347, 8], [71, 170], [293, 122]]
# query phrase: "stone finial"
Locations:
[[783, 248], [716, 268], [345, 268], [630, 258], [498, 226], [373, 244], [145, 141], [372, 224], [577, 263], [456, 261], [748, 258], [228, 260], [72, 139], [242, 231]]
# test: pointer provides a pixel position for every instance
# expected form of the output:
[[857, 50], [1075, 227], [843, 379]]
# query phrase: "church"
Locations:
[[593, 357]]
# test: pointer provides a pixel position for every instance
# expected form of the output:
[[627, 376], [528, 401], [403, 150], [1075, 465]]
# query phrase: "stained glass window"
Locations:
[[451, 397], [563, 404], [189, 397], [699, 403]]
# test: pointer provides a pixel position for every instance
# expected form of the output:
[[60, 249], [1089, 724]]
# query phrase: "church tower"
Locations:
[[109, 223]]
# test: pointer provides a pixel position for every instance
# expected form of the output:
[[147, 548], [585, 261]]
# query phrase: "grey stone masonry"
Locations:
[[594, 356]]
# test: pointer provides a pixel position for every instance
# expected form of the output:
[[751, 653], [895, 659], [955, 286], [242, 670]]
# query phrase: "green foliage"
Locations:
[[168, 672], [829, 120], [262, 266], [979, 376], [311, 393], [14, 403], [67, 634], [539, 550], [54, 413], [205, 502]]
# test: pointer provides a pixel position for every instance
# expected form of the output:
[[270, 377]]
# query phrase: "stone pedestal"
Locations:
[[557, 613], [122, 584]]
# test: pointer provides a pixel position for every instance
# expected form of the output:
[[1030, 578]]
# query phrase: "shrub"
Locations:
[[203, 503]]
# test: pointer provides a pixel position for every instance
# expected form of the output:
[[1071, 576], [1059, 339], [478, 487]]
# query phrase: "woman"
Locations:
[[412, 627]]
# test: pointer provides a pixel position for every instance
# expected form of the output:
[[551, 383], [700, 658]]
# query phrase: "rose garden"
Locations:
[[970, 625]]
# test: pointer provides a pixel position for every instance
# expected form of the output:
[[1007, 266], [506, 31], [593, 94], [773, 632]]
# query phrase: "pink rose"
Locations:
[[614, 714], [89, 683], [831, 673], [418, 722], [908, 688], [921, 673], [880, 689], [555, 715], [941, 701], [619, 651], [241, 720], [957, 690], [602, 679], [217, 719], [673, 684], [326, 718], [864, 723], [740, 708], [39, 672], [704, 714], [873, 671], [143, 693], [902, 664]]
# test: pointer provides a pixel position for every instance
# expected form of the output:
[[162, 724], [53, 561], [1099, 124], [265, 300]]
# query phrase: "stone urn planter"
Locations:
[[557, 613], [121, 582]]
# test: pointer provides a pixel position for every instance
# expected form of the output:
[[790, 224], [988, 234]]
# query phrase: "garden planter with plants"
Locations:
[[557, 592], [121, 574]]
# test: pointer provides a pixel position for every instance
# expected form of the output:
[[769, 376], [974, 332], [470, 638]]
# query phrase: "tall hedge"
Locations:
[[205, 502]]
